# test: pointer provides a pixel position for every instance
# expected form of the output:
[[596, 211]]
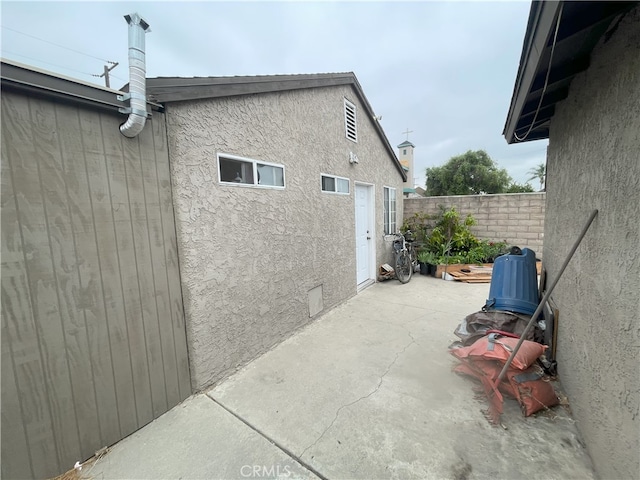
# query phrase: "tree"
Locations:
[[538, 173], [471, 173], [515, 187]]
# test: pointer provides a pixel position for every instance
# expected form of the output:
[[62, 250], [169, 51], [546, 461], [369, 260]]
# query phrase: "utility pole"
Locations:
[[105, 74]]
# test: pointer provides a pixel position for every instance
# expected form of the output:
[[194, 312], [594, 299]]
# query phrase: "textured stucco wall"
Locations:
[[594, 162], [517, 218], [249, 256]]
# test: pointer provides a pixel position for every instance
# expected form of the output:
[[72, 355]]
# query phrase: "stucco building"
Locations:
[[283, 188], [579, 86]]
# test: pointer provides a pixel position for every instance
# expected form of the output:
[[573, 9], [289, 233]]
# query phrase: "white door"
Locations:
[[364, 233]]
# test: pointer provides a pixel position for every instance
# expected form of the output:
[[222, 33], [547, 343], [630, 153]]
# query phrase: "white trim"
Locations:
[[254, 165], [395, 190], [365, 284], [335, 177], [351, 107]]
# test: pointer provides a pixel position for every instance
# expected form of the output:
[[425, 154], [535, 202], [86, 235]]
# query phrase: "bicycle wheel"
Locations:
[[403, 267]]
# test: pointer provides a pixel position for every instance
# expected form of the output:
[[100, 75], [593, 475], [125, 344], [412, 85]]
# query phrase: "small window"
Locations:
[[333, 184], [245, 171], [404, 152], [389, 210], [350, 120]]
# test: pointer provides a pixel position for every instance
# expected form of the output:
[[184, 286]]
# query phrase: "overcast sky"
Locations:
[[444, 70]]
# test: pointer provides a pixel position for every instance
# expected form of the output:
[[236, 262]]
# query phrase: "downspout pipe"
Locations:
[[137, 109]]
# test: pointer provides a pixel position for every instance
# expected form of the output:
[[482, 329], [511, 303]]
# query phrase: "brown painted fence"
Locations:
[[93, 335]]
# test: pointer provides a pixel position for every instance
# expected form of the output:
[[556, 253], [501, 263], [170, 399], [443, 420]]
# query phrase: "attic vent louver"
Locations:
[[350, 120]]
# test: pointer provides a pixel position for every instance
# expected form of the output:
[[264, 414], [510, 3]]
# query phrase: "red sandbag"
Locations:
[[532, 391], [500, 350], [490, 369]]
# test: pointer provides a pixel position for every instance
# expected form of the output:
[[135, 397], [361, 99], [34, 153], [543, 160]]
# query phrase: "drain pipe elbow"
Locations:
[[137, 109]]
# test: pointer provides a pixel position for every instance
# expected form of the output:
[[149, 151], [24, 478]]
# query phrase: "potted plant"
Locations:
[[427, 262]]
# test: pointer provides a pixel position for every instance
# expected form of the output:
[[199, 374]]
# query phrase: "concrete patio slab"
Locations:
[[366, 391], [196, 439]]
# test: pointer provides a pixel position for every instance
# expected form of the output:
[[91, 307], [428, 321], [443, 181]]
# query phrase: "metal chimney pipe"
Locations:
[[137, 109]]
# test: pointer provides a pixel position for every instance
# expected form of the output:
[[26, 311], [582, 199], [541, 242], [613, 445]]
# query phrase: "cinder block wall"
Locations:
[[517, 218]]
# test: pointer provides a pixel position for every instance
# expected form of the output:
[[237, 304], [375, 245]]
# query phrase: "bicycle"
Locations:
[[406, 259]]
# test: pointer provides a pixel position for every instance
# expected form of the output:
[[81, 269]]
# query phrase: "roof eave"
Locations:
[[378, 128], [557, 46], [542, 17]]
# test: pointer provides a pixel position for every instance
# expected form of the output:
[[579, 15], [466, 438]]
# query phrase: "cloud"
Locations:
[[444, 69]]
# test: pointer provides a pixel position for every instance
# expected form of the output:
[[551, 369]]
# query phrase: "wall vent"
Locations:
[[350, 120], [316, 305]]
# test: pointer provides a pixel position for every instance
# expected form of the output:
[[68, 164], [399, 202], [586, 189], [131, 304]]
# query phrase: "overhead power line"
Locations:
[[63, 67], [58, 45], [47, 63]]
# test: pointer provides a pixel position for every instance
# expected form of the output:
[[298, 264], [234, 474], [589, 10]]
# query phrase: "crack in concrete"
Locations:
[[288, 452], [399, 325], [380, 380]]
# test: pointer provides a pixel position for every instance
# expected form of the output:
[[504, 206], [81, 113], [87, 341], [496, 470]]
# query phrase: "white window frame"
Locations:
[[254, 165], [351, 106], [388, 214], [336, 178]]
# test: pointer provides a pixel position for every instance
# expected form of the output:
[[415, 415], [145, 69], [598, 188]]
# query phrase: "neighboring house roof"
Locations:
[[34, 81], [406, 143], [176, 89], [580, 26], [420, 191]]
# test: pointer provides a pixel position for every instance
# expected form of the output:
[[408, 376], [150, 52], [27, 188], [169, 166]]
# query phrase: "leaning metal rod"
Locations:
[[545, 298]]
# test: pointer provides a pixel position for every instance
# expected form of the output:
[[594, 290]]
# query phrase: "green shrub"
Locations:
[[419, 225], [451, 235], [451, 240], [492, 250]]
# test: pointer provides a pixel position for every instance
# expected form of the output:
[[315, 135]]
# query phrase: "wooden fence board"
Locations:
[[158, 264], [119, 196], [18, 340], [88, 293], [171, 256], [146, 283], [109, 269], [65, 274], [47, 403]]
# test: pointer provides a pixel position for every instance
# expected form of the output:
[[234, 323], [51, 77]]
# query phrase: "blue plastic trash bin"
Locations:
[[514, 283]]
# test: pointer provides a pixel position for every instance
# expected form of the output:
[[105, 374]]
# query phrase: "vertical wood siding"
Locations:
[[93, 335]]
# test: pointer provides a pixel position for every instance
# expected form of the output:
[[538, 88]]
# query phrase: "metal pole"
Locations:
[[105, 73], [545, 298], [106, 76]]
